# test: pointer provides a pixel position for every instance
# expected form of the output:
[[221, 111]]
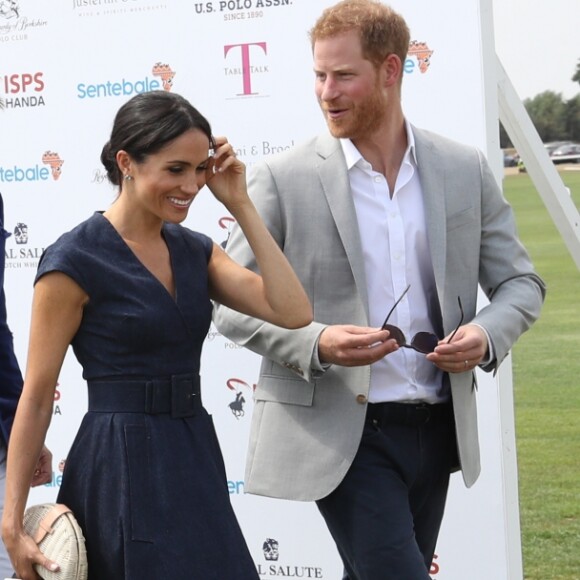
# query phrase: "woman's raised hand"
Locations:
[[226, 175]]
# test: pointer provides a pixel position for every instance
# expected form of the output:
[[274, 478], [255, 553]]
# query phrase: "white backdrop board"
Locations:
[[66, 67]]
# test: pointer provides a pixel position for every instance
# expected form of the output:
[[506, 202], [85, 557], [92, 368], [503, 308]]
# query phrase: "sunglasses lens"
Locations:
[[395, 333], [425, 342]]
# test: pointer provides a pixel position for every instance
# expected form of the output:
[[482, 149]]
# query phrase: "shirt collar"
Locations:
[[352, 154]]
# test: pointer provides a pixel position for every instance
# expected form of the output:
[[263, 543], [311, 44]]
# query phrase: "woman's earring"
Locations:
[[127, 177]]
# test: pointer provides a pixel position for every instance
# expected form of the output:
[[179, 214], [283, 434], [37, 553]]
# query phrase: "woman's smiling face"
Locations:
[[166, 183]]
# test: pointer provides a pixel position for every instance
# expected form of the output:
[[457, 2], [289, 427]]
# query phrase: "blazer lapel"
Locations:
[[432, 176], [336, 187]]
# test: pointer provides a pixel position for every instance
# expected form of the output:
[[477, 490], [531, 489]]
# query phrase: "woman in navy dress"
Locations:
[[130, 289]]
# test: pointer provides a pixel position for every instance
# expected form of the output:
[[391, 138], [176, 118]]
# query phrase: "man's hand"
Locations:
[[352, 346], [467, 349]]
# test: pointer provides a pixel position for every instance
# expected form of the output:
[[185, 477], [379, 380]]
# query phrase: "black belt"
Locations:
[[177, 395], [408, 414]]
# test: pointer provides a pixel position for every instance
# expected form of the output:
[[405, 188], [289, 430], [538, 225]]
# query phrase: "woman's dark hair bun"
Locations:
[[145, 124]]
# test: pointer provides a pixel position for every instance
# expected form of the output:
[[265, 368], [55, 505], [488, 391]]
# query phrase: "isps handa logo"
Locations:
[[20, 255], [49, 167], [275, 567], [162, 76], [22, 90]]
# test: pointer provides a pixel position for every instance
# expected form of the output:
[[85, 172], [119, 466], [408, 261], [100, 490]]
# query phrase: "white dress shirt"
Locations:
[[396, 254]]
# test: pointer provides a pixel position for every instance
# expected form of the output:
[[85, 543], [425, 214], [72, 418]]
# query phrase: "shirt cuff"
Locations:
[[490, 353], [318, 368]]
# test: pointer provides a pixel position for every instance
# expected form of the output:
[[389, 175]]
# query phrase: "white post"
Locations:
[[504, 379], [539, 166]]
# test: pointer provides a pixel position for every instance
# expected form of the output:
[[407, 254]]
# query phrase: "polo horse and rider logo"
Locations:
[[226, 223], [237, 406]]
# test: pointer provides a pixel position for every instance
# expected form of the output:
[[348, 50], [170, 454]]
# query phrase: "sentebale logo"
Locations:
[[165, 72], [422, 52], [162, 77], [54, 161]]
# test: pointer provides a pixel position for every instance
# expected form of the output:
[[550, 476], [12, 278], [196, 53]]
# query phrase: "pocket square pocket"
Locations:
[[283, 390]]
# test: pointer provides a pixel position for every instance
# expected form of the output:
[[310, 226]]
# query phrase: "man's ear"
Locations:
[[391, 70]]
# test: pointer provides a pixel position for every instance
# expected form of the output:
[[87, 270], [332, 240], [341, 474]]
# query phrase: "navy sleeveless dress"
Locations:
[[147, 485]]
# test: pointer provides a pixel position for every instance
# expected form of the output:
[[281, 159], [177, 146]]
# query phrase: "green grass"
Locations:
[[547, 395]]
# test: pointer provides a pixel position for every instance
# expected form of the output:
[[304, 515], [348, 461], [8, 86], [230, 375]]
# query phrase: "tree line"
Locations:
[[555, 118]]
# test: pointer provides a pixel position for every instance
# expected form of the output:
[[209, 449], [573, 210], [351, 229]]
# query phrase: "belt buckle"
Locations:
[[183, 396]]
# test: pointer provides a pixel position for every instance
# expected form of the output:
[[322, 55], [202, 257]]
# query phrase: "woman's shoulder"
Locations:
[[84, 233], [196, 241], [75, 251]]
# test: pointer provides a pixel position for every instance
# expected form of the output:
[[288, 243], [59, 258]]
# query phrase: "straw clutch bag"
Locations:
[[60, 538]]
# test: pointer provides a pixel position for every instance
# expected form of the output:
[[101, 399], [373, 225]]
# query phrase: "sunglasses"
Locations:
[[423, 342]]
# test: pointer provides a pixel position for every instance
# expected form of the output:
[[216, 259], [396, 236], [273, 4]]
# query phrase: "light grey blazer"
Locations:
[[307, 423]]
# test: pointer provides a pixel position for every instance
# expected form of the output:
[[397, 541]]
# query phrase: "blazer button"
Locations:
[[362, 399]]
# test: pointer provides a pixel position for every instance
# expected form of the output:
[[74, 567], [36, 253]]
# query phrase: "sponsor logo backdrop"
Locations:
[[66, 68]]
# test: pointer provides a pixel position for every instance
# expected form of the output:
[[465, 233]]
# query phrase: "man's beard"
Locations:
[[361, 121]]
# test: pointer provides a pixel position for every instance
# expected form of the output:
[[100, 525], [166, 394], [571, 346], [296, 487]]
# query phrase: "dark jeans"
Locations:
[[386, 513]]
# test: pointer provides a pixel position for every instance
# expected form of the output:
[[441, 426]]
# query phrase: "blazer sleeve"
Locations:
[[292, 349], [506, 274]]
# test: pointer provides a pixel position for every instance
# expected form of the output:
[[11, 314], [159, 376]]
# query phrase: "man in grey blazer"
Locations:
[[369, 422]]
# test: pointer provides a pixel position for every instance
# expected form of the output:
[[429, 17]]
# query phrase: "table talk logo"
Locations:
[[274, 567], [22, 90], [420, 55], [21, 256], [15, 24], [245, 62], [162, 76], [238, 386]]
